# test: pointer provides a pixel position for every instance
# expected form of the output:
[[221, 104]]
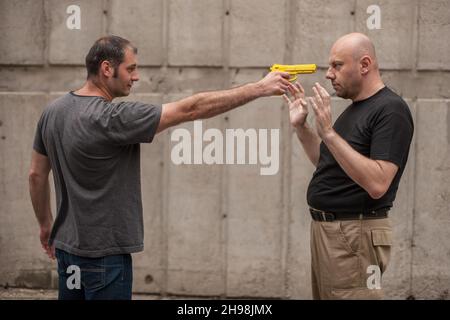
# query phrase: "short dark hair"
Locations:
[[110, 48]]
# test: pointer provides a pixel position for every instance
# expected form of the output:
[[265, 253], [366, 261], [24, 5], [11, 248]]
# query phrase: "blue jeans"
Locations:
[[104, 278]]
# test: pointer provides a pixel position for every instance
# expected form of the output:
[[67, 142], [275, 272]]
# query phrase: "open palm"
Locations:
[[298, 107]]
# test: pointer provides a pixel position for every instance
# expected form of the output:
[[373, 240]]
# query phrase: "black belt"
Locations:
[[319, 215]]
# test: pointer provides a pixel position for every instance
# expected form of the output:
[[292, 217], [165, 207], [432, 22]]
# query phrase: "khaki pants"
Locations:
[[348, 258]]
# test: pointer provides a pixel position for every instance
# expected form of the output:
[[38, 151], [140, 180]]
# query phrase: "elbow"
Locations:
[[34, 177], [192, 112], [377, 192], [201, 108]]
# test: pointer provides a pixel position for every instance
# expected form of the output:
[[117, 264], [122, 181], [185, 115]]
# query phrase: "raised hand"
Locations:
[[298, 107], [322, 109]]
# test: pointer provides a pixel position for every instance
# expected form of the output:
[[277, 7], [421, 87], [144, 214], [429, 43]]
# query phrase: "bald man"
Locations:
[[359, 162]]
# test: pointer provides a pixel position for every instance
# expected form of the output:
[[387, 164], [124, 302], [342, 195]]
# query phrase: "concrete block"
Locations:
[[255, 208], [431, 253], [318, 26], [22, 32], [397, 278], [39, 79], [146, 30], [394, 41], [299, 256], [26, 265], [424, 84], [199, 79], [193, 198], [434, 18], [195, 32], [149, 265], [257, 36], [68, 46]]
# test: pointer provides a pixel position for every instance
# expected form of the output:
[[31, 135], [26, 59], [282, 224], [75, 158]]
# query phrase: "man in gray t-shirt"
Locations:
[[92, 146]]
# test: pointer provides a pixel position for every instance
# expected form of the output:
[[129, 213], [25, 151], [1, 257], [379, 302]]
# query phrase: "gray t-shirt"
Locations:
[[94, 152]]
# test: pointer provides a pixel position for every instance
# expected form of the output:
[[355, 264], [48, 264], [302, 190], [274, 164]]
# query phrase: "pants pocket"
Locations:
[[350, 234], [93, 278], [382, 243], [93, 274]]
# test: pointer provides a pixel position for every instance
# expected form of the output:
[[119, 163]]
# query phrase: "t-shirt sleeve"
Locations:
[[391, 135], [133, 122], [38, 144]]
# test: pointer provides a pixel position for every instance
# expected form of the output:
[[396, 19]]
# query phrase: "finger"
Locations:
[[317, 97], [52, 252], [324, 94], [303, 102], [285, 82], [285, 75], [286, 98], [313, 104], [291, 90], [299, 86], [47, 250], [295, 91]]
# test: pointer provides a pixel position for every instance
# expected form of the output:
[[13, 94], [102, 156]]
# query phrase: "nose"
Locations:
[[135, 76], [330, 75]]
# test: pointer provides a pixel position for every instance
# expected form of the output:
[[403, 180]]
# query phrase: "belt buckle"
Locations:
[[323, 215]]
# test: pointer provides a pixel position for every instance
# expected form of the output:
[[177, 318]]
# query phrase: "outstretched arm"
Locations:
[[209, 104]]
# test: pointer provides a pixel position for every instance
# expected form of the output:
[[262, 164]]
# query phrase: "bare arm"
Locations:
[[40, 197], [374, 176], [298, 112], [310, 142], [209, 104]]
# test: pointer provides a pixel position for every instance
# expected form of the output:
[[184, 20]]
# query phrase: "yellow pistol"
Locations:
[[294, 69]]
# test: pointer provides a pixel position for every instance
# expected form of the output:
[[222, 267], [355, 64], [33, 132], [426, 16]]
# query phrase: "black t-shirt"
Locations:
[[379, 127]]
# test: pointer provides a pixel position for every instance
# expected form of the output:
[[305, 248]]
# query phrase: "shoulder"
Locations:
[[390, 103], [131, 110], [58, 103]]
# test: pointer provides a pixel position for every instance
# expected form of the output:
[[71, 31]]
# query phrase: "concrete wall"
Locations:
[[226, 230]]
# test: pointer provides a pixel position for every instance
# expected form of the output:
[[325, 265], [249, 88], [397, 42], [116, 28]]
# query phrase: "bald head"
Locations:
[[353, 67], [357, 45]]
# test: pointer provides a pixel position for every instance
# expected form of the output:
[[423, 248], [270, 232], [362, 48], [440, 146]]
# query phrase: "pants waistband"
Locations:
[[319, 215]]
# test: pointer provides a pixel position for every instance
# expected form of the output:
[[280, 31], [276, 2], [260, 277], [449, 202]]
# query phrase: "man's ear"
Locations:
[[365, 63], [107, 69]]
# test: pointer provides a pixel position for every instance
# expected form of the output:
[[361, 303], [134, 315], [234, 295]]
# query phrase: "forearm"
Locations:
[[209, 104], [310, 142], [40, 198], [364, 171]]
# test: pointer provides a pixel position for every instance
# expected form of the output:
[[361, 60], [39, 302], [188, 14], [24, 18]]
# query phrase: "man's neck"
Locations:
[[94, 88], [372, 88]]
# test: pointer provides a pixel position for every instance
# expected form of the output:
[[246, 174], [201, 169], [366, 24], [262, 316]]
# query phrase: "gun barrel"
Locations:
[[294, 68]]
